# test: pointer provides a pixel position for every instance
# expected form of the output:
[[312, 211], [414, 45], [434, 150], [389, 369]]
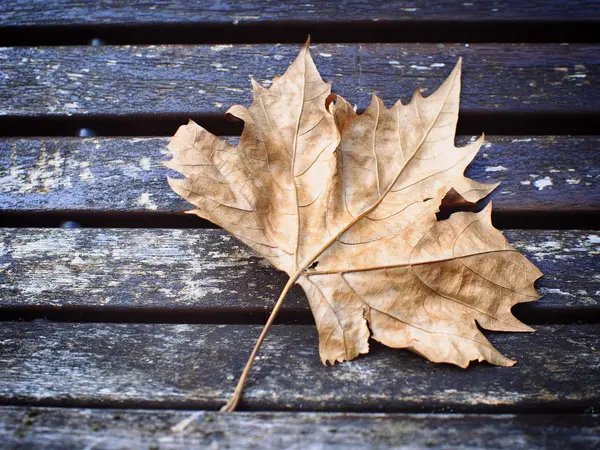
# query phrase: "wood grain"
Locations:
[[199, 81], [195, 367], [77, 12], [61, 428], [202, 272], [199, 275], [538, 173]]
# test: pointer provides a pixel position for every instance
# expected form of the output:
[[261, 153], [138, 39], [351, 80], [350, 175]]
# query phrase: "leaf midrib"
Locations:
[[304, 266]]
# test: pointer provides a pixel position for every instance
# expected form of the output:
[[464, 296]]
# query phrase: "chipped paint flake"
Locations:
[[543, 183], [145, 163], [41, 177], [145, 202], [86, 175], [593, 239], [77, 261], [496, 169], [239, 19], [546, 291], [219, 48], [552, 245]]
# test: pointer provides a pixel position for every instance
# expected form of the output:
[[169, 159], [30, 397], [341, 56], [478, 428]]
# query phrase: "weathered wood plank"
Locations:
[[205, 80], [65, 428], [203, 271], [196, 366], [77, 12], [538, 173]]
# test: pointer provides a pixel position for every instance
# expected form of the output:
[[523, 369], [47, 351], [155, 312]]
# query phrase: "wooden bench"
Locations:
[[115, 331]]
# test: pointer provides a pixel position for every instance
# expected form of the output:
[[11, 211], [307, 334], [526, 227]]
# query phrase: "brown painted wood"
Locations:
[[66, 428], [196, 367], [201, 81], [538, 173], [204, 275]]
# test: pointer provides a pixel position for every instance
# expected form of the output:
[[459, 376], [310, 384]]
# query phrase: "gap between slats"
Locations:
[[566, 407], [288, 316], [393, 31], [529, 220], [166, 125]]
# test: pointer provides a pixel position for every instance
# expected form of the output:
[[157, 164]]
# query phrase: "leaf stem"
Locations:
[[235, 398]]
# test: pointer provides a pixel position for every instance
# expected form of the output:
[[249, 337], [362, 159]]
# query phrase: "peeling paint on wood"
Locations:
[[215, 12], [208, 270], [195, 366], [203, 271], [60, 428], [191, 80], [124, 174]]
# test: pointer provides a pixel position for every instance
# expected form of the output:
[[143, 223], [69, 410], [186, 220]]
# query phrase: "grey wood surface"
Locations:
[[85, 281], [78, 12], [205, 80], [538, 173], [196, 367], [115, 429], [202, 272]]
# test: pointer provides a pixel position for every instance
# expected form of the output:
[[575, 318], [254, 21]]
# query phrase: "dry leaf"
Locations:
[[346, 204]]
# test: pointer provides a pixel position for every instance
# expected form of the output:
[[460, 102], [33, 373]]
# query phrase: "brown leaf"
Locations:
[[346, 204]]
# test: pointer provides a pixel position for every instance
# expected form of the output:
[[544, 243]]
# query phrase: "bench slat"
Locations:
[[538, 173], [204, 271], [196, 366], [69, 12], [203, 80], [60, 428]]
